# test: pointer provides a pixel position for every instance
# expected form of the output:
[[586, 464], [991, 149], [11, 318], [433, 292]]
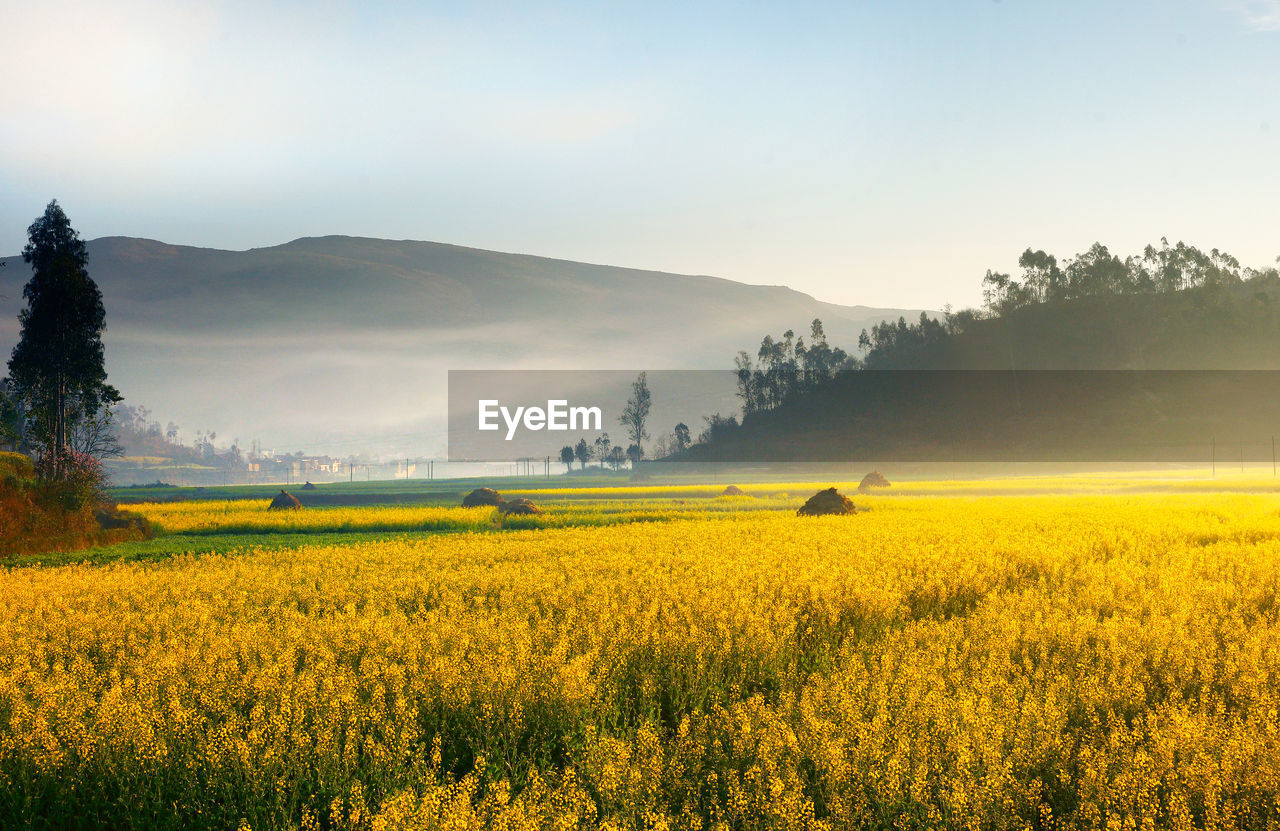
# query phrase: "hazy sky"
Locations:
[[884, 153]]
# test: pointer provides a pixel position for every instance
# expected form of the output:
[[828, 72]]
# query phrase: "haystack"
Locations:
[[308, 487], [830, 501], [284, 500], [733, 490], [519, 506], [481, 497], [872, 480]]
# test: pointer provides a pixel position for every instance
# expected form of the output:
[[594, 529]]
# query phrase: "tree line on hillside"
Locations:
[[118, 430], [1168, 273], [137, 433], [1098, 272], [787, 366]]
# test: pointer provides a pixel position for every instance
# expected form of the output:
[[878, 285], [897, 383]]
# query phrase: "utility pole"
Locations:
[[1213, 454]]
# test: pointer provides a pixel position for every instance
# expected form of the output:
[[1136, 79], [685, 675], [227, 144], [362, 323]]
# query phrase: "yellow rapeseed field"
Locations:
[[1014, 662], [249, 516], [252, 516]]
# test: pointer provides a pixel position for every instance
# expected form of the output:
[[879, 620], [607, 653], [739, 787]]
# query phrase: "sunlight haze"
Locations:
[[874, 153]]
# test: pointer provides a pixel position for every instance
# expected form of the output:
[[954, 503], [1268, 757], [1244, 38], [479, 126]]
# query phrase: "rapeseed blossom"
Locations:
[[1005, 662]]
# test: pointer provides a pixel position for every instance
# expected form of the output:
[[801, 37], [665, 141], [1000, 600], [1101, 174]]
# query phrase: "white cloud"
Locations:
[[1259, 15]]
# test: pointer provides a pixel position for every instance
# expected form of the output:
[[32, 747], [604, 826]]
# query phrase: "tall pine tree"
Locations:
[[57, 368]]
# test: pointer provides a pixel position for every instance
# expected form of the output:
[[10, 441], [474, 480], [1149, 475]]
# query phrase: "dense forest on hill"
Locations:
[[1171, 307], [1097, 358]]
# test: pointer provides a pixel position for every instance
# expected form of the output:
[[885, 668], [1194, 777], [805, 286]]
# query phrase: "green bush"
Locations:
[[17, 465], [62, 514]]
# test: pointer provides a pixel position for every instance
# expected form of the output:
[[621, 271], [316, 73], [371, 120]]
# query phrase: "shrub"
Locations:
[[17, 465], [39, 513], [75, 482]]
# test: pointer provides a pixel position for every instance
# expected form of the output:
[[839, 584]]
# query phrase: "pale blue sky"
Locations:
[[881, 153]]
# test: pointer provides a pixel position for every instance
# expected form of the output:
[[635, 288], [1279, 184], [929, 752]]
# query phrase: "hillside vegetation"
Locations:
[[1172, 307], [38, 516], [1041, 340]]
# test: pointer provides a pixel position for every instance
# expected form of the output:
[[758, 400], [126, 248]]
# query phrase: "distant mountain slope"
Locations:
[[335, 341]]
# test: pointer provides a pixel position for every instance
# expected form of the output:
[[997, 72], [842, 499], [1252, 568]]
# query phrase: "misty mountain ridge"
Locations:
[[345, 341]]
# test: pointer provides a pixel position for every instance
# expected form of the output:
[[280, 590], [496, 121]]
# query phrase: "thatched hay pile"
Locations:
[[733, 490], [872, 480], [830, 501], [284, 501], [488, 497], [482, 497], [308, 487], [519, 506]]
